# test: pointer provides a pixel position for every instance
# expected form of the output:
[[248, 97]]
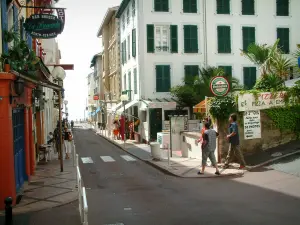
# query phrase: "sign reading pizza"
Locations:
[[43, 26], [219, 86]]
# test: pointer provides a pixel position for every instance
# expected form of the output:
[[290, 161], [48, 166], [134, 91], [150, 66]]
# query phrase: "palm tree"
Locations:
[[280, 65]]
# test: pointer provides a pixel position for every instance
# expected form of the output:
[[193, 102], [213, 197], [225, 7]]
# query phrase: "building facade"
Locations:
[[163, 41]]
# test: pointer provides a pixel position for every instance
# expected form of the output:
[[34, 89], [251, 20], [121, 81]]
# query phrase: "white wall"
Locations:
[[265, 21]]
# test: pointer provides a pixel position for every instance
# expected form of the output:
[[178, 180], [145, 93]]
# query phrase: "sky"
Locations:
[[78, 43]]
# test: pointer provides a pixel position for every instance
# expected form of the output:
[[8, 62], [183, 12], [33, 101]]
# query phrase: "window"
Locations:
[[283, 34], [133, 39], [190, 39], [227, 73], [189, 6], [282, 7], [150, 38], [249, 77], [224, 39], [161, 5], [129, 85], [128, 41], [248, 37], [190, 73], [223, 6], [135, 86], [123, 22], [174, 38], [124, 83], [124, 55], [163, 82], [133, 8], [248, 7], [162, 38], [125, 52], [128, 16]]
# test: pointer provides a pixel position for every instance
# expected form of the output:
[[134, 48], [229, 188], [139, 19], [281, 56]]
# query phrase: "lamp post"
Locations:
[[124, 99]]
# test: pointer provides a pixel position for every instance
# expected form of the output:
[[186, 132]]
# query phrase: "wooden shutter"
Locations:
[[133, 42], [282, 7], [166, 78], [224, 39], [165, 5], [283, 34], [186, 31], [248, 37], [223, 6], [4, 23], [150, 38], [135, 80], [159, 78], [190, 38], [249, 77], [190, 72], [125, 51], [174, 38], [248, 7], [190, 6], [194, 39]]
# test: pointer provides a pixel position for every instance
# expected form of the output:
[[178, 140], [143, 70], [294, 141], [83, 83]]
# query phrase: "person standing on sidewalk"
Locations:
[[234, 143], [67, 142]]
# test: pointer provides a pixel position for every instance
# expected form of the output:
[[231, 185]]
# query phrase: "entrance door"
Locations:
[[155, 122], [19, 147]]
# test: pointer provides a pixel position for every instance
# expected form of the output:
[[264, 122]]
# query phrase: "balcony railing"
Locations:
[[162, 48]]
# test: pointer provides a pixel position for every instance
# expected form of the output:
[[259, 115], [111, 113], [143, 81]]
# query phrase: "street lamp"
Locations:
[[124, 99]]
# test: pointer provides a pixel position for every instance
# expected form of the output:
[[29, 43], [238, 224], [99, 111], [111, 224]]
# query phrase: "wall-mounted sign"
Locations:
[[43, 26], [164, 105], [252, 125], [219, 86], [96, 97]]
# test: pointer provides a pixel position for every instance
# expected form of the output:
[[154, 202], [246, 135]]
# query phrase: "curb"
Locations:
[[164, 170], [272, 160]]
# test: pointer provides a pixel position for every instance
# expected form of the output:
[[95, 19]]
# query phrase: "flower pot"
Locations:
[[6, 68]]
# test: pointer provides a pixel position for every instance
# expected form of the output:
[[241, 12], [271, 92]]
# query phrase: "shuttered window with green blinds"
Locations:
[[129, 86], [189, 6], [283, 34], [248, 37], [174, 38], [227, 73], [223, 6], [224, 39], [163, 78], [161, 5], [190, 38], [125, 52], [122, 52], [282, 7], [150, 38], [133, 38], [190, 72], [248, 7], [135, 86], [249, 77]]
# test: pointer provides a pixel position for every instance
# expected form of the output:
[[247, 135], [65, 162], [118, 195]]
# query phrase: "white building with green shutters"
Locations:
[[162, 41]]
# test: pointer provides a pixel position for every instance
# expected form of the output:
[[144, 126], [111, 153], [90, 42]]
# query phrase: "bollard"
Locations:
[[8, 210]]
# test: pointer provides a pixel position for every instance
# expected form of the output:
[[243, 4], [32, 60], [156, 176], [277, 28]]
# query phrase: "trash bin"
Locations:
[[155, 150]]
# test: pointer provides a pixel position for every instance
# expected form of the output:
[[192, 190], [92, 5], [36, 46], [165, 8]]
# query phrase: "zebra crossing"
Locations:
[[108, 159]]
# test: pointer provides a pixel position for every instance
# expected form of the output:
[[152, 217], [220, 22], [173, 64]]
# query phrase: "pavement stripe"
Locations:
[[87, 160], [107, 159], [128, 158]]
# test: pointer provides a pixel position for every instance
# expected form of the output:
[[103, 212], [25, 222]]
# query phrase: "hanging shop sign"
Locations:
[[43, 26], [219, 86], [252, 125], [62, 17], [96, 97]]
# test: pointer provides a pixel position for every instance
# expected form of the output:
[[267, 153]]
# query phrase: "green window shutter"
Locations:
[[161, 5], [125, 52], [135, 80], [282, 7], [174, 38], [248, 7], [190, 39], [223, 6], [249, 77], [227, 73], [128, 40], [224, 39], [190, 6], [283, 34], [163, 82], [248, 37], [133, 42], [150, 38], [190, 72], [129, 80]]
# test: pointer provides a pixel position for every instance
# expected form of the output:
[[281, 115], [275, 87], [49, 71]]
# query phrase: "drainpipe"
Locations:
[[205, 33]]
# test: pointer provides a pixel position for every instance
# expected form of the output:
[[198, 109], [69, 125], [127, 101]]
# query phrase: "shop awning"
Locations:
[[200, 107], [127, 106], [166, 103]]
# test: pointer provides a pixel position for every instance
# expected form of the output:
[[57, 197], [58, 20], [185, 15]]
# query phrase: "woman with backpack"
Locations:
[[68, 142]]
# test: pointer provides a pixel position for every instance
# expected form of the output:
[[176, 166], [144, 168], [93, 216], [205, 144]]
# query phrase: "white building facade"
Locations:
[[162, 41]]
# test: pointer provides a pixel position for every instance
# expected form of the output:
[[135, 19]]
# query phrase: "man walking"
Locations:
[[208, 148], [234, 143]]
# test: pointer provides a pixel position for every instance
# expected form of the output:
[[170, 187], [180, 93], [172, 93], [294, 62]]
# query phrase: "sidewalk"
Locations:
[[180, 167], [49, 187]]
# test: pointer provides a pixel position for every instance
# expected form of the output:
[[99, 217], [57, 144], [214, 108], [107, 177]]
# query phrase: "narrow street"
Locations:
[[124, 190]]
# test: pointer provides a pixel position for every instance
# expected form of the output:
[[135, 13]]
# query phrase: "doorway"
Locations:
[[155, 122]]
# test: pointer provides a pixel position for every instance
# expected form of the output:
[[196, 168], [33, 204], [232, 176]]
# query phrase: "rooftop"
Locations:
[[109, 14]]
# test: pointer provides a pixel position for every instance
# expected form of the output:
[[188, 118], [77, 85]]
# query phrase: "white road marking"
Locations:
[[87, 160], [127, 209], [128, 158], [107, 159], [115, 224]]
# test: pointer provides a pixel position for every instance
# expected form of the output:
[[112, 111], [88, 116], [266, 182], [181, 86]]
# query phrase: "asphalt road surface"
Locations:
[[290, 165], [126, 191]]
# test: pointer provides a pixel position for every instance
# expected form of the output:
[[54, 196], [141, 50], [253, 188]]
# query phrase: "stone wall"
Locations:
[[270, 137]]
